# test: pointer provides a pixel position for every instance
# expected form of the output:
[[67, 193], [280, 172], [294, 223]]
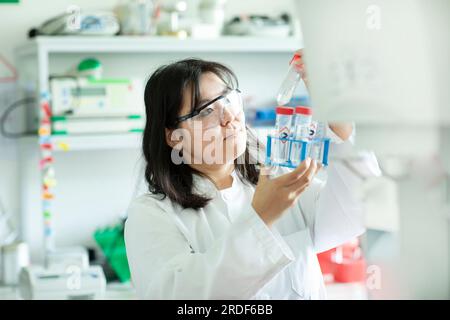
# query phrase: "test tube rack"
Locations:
[[315, 148]]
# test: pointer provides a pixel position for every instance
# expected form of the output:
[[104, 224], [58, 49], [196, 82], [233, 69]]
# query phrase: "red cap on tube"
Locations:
[[284, 110], [303, 110]]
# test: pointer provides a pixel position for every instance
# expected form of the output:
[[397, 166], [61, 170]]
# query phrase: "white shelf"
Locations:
[[114, 141], [141, 44], [98, 142], [69, 143], [107, 141]]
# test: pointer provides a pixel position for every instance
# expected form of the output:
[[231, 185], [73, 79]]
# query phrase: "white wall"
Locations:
[[9, 185], [95, 187]]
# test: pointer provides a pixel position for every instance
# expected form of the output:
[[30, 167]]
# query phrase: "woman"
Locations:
[[212, 226]]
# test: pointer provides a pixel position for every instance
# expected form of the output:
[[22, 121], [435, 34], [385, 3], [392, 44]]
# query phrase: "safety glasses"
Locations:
[[211, 113]]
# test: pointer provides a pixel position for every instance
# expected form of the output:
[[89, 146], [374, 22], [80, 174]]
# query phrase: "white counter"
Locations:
[[114, 291], [118, 291]]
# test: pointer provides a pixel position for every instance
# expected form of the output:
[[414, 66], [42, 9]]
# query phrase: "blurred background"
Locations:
[[66, 180]]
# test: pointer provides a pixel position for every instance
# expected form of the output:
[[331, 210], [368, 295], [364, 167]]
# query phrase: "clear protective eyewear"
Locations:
[[211, 114]]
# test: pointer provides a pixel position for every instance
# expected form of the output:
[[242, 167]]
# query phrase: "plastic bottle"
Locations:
[[289, 84], [303, 119], [321, 130], [283, 129], [317, 145], [302, 124]]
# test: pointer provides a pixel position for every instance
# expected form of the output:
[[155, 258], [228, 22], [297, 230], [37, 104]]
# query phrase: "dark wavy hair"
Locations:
[[163, 102]]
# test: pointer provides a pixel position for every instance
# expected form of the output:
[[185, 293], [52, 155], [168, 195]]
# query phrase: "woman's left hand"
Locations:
[[342, 129]]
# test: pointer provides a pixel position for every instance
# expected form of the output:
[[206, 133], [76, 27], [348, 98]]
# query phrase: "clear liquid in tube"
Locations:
[[288, 86]]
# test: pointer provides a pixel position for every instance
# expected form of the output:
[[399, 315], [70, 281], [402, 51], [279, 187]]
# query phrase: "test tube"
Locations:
[[289, 84], [283, 125], [303, 118], [317, 144], [312, 129]]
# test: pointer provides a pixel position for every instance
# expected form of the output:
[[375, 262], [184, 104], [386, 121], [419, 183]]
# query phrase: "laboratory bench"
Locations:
[[119, 291], [114, 291]]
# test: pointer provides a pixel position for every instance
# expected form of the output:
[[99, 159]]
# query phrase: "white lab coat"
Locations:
[[225, 251]]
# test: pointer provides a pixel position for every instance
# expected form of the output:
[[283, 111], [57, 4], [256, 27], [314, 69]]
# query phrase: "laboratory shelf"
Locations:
[[111, 141], [97, 142], [142, 44], [66, 143]]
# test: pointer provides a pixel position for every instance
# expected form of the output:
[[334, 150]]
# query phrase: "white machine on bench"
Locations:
[[67, 275]]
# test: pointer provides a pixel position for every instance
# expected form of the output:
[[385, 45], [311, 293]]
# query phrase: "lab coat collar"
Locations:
[[204, 186]]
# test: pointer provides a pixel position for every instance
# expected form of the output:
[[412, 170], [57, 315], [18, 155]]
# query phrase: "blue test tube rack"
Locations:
[[306, 146]]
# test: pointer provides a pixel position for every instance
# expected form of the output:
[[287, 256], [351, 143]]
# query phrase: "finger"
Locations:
[[291, 177], [299, 191], [299, 67], [305, 179], [309, 175], [299, 52], [296, 193], [304, 73], [305, 80], [297, 58], [319, 166]]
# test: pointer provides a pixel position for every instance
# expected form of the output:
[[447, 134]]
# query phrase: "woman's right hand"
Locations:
[[300, 66], [274, 195]]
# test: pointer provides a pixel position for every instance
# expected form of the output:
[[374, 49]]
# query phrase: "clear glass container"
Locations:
[[289, 83]]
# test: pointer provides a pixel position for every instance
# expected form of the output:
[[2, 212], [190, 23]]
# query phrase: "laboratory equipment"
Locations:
[[264, 116], [283, 125], [343, 264], [302, 125], [13, 254], [64, 125], [316, 149], [259, 26], [90, 68], [14, 257], [77, 22], [88, 97], [38, 283], [7, 231], [88, 105], [170, 20], [289, 83], [111, 241], [62, 258], [303, 119], [66, 275], [211, 19], [293, 141], [317, 146], [81, 101], [137, 17]]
